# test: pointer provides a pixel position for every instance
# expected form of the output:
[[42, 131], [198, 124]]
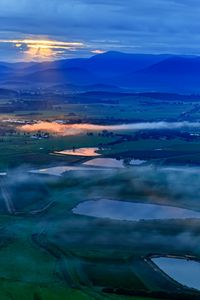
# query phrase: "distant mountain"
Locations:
[[136, 72], [177, 65], [53, 65], [175, 74], [59, 75], [106, 64], [114, 63], [99, 69], [4, 70]]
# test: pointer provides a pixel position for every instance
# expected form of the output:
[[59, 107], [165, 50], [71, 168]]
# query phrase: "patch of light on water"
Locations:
[[80, 152]]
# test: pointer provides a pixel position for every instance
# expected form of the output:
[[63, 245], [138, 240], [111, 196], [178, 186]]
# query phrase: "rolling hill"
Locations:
[[139, 72], [175, 74]]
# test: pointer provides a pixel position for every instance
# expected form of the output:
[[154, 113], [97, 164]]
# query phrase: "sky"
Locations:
[[35, 30]]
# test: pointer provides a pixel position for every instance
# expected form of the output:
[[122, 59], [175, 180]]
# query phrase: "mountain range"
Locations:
[[136, 72]]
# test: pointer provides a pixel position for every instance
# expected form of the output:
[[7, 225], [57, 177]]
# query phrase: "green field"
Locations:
[[58, 255], [49, 253]]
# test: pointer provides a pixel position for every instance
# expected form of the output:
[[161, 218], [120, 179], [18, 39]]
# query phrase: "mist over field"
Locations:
[[57, 224], [76, 129]]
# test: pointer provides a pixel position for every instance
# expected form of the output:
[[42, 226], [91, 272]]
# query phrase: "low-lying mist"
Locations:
[[76, 129], [173, 186], [89, 237]]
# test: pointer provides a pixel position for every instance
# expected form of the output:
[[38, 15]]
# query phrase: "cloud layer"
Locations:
[[155, 26]]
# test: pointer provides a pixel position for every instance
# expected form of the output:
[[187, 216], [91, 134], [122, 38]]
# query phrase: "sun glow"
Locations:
[[42, 49], [39, 53]]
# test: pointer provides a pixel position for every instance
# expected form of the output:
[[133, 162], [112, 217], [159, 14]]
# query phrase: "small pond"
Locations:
[[186, 272]]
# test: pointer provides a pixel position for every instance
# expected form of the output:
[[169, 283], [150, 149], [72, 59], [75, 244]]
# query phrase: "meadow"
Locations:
[[48, 251]]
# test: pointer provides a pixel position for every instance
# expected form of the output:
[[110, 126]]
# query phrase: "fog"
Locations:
[[82, 236], [76, 129]]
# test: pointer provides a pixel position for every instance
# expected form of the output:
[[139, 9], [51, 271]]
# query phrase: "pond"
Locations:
[[130, 211], [59, 171], [80, 152], [137, 162], [105, 162], [186, 272]]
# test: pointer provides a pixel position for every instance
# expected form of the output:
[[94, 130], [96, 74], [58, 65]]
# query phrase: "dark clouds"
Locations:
[[155, 26]]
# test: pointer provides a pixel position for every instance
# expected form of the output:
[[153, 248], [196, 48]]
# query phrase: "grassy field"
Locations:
[[25, 291], [19, 149], [114, 107], [22, 150], [59, 254], [49, 253]]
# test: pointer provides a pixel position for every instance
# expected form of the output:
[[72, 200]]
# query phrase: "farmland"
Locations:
[[50, 252]]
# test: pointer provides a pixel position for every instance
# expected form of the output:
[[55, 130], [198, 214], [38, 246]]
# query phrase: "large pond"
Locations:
[[121, 210], [186, 272], [58, 171], [105, 162]]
